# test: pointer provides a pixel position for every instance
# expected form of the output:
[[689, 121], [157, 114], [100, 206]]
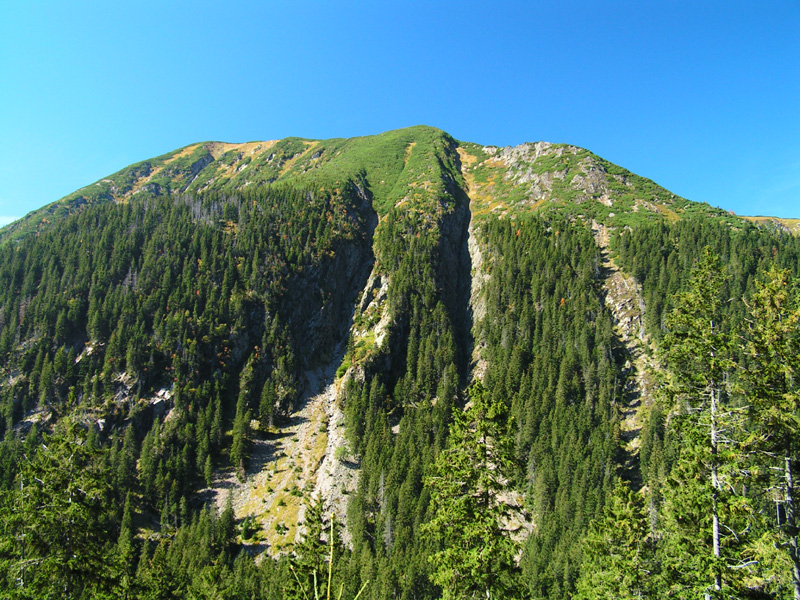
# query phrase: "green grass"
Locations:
[[410, 166], [393, 165]]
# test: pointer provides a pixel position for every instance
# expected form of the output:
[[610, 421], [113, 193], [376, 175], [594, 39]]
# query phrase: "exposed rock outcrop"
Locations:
[[623, 297]]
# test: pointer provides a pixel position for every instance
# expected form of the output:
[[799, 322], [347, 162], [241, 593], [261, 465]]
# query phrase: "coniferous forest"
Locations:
[[506, 435]]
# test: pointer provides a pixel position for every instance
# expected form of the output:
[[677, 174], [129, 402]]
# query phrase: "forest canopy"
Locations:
[[493, 409]]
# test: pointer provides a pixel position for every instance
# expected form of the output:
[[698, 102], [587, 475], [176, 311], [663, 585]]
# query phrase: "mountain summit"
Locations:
[[400, 165]]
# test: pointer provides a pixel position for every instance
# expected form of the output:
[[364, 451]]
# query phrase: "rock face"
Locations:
[[543, 166], [337, 476], [456, 269], [321, 323], [297, 461], [623, 296], [477, 304]]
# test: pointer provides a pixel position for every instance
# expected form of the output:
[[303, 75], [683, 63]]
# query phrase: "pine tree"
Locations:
[[774, 351], [316, 566], [685, 551], [698, 350], [225, 531], [126, 466], [469, 522], [618, 552], [61, 510], [240, 446], [126, 551], [312, 554], [266, 407]]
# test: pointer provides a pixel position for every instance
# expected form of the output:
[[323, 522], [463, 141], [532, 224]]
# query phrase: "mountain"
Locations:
[[526, 178], [473, 362]]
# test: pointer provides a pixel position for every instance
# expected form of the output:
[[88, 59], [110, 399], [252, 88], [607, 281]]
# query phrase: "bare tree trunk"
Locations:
[[791, 519], [22, 537], [715, 485]]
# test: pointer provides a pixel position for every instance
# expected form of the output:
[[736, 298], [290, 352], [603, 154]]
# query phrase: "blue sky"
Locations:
[[702, 97]]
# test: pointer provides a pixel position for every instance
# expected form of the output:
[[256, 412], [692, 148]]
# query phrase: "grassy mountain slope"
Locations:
[[789, 225], [563, 178], [396, 165]]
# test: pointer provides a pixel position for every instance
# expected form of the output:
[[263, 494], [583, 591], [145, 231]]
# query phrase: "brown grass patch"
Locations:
[[409, 148], [292, 161], [793, 225], [466, 158]]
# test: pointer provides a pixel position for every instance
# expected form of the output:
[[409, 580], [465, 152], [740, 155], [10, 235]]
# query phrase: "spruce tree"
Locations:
[[618, 557], [312, 555], [774, 353], [698, 350], [61, 511], [685, 552], [469, 522]]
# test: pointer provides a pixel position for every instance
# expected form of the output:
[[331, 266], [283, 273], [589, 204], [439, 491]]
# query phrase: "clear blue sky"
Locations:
[[702, 97]]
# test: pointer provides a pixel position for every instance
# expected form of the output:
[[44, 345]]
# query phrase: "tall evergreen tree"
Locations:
[[618, 560], [698, 350], [61, 520], [774, 390], [311, 564], [689, 565], [470, 519]]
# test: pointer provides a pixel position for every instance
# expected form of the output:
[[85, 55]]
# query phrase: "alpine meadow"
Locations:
[[399, 366]]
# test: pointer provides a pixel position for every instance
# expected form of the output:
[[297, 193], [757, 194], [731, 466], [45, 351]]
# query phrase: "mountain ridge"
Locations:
[[532, 176]]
